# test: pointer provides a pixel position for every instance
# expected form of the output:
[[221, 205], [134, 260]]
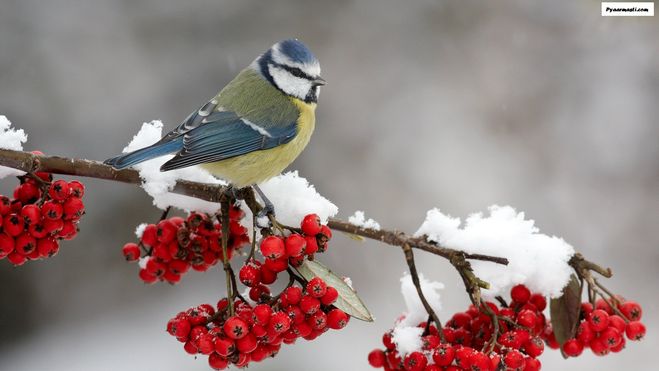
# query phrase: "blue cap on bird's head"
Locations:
[[292, 68]]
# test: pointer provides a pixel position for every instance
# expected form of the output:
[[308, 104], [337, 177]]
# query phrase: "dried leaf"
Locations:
[[348, 301], [565, 311]]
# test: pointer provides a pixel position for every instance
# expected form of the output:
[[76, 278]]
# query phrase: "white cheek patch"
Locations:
[[291, 85], [280, 58]]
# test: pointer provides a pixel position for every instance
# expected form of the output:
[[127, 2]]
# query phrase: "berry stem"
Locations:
[[409, 258], [225, 205]]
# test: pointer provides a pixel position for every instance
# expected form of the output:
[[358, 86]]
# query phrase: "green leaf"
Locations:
[[565, 310], [348, 301]]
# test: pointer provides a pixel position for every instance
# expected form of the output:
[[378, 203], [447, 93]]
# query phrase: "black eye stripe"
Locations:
[[295, 71]]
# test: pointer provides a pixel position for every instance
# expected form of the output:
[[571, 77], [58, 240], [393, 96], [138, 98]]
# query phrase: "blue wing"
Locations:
[[222, 135]]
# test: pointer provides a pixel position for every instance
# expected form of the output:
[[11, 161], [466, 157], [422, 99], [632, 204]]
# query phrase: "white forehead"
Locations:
[[312, 69]]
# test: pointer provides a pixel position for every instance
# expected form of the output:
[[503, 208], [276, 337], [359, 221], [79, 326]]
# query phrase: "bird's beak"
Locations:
[[319, 81]]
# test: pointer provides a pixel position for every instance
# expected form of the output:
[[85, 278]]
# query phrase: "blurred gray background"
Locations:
[[546, 106]]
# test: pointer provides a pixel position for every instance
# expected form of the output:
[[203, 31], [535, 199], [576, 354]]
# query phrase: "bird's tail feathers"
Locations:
[[144, 154]]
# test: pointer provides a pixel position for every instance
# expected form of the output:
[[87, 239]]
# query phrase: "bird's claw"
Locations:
[[265, 216]]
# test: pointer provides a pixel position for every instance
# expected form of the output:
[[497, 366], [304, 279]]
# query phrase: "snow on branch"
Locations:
[[535, 259]]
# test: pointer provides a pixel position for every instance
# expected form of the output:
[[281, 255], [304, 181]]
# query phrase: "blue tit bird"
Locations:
[[253, 128]]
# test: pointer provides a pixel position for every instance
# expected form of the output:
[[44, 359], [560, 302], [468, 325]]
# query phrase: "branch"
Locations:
[[29, 162]]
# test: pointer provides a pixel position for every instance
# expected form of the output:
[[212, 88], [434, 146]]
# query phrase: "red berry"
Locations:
[[534, 347], [330, 296], [155, 267], [272, 247], [73, 208], [632, 310], [235, 328], [513, 359], [179, 327], [318, 320], [279, 323], [69, 230], [430, 342], [376, 358], [312, 245], [217, 362], [13, 224], [611, 336], [25, 244], [302, 329], [479, 362], [598, 320], [317, 287], [295, 245], [5, 205], [190, 348], [177, 266], [415, 361], [259, 292], [249, 275], [531, 364], [292, 295], [310, 225], [443, 355], [6, 245], [326, 231], [520, 294], [47, 246], [309, 304], [620, 346], [76, 188], [635, 330], [599, 347], [52, 210], [387, 341], [262, 314], [27, 193], [337, 319], [585, 333], [147, 277], [276, 265], [526, 318], [617, 322], [16, 258], [463, 357], [59, 190], [246, 344], [573, 348], [150, 235], [224, 346], [31, 214], [166, 231], [586, 309], [603, 305], [268, 276], [539, 301], [131, 251]]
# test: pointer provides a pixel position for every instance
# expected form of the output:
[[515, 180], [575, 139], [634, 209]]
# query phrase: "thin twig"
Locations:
[[409, 258], [225, 202]]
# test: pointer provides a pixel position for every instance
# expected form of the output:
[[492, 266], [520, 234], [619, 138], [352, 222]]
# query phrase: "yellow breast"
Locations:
[[258, 166]]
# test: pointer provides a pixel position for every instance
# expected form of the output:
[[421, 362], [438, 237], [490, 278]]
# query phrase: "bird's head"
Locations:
[[292, 68]]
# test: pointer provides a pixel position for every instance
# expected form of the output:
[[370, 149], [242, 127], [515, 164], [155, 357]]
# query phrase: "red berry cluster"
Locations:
[[279, 252], [41, 213], [174, 245], [257, 332], [521, 325], [603, 329]]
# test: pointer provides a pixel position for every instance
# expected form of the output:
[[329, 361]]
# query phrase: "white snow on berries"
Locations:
[[10, 138], [535, 259], [359, 219]]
